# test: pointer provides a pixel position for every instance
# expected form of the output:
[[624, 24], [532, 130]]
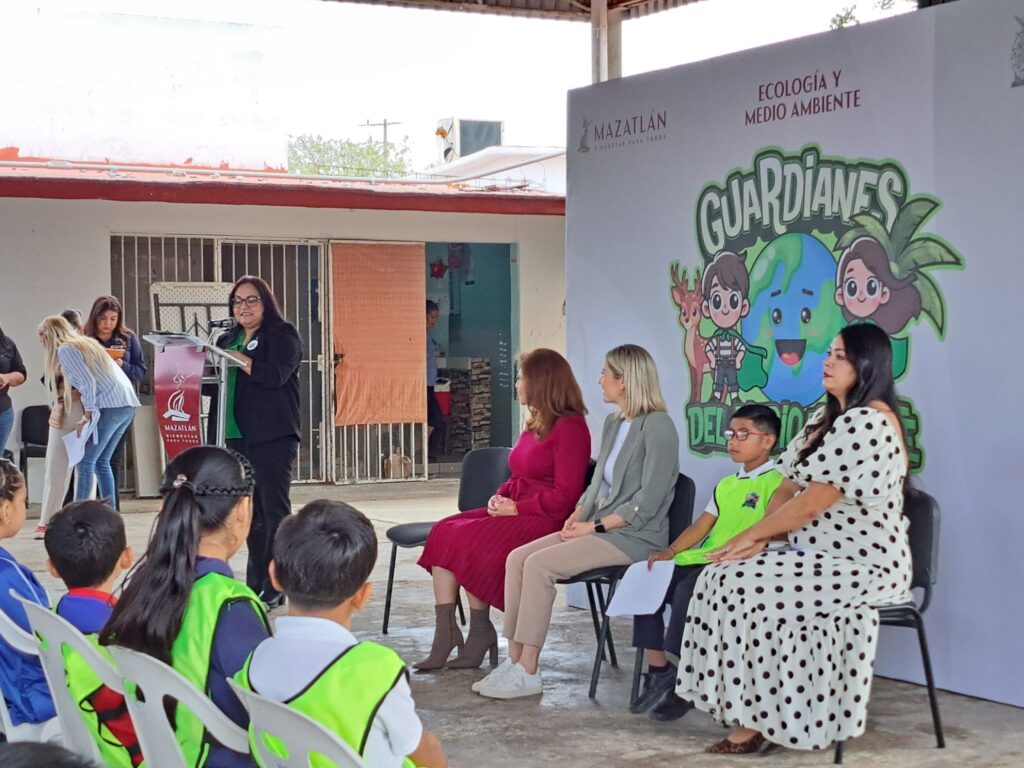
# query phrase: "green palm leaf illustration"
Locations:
[[925, 252], [931, 302], [868, 226], [909, 219]]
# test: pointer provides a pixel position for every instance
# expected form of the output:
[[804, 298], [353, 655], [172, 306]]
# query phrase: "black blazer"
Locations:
[[266, 400]]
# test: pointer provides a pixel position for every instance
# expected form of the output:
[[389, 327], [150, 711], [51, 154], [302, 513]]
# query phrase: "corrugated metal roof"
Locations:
[[570, 10]]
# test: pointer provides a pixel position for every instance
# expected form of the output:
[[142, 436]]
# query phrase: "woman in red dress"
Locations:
[[548, 466]]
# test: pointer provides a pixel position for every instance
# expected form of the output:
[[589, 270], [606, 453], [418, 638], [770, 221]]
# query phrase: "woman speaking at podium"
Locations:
[[262, 414]]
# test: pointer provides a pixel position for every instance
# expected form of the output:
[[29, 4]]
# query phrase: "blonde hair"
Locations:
[[56, 332], [634, 365]]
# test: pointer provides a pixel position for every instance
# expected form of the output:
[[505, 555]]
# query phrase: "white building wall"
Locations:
[[56, 253]]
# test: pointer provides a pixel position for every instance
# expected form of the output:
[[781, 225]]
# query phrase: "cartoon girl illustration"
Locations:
[[868, 291]]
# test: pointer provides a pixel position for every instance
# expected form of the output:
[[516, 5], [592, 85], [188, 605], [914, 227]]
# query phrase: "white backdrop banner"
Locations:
[[733, 215]]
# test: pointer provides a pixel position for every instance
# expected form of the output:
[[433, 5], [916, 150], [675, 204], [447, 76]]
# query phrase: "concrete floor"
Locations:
[[565, 728]]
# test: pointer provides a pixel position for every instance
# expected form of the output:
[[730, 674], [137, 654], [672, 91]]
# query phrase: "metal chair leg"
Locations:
[[604, 639], [933, 699], [838, 758], [458, 605], [638, 668], [603, 602], [594, 617], [391, 584]]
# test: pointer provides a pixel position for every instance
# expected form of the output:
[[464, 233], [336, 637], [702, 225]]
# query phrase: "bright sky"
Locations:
[[179, 73]]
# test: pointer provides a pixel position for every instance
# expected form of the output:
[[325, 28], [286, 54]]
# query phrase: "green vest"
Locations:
[[741, 502], [190, 653], [82, 684], [343, 698]]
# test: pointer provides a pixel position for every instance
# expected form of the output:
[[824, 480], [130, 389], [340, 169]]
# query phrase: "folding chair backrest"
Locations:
[[483, 470], [680, 514], [55, 633], [21, 641], [922, 510], [156, 681], [35, 427], [288, 730]]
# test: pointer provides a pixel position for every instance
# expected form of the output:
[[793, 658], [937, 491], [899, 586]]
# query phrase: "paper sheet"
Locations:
[[642, 591], [75, 444]]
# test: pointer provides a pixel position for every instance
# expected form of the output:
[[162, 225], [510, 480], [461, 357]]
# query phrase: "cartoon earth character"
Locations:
[[793, 315]]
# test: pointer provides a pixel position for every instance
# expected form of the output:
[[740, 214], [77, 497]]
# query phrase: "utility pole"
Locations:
[[383, 125]]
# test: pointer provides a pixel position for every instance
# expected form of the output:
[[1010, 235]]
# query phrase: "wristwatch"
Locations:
[[599, 527]]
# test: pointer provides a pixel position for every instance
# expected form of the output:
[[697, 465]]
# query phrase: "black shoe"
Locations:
[[272, 600], [655, 686], [670, 707]]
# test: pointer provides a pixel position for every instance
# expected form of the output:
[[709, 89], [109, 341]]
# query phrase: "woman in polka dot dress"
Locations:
[[782, 642]]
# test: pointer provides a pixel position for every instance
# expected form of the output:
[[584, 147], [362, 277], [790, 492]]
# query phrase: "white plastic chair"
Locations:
[[156, 681], [301, 736], [26, 643], [55, 633]]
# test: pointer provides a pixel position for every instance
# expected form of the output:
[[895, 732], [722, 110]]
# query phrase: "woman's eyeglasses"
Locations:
[[249, 301], [740, 434]]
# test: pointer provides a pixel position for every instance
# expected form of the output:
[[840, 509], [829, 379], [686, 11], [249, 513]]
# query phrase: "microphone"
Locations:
[[227, 322]]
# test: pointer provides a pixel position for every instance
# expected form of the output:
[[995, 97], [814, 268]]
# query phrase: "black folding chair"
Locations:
[[35, 433], [483, 470], [923, 512], [596, 579]]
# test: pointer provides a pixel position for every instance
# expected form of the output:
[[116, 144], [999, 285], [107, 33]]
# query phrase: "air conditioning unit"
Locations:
[[457, 138]]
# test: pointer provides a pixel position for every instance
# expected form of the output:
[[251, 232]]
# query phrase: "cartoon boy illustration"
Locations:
[[725, 287]]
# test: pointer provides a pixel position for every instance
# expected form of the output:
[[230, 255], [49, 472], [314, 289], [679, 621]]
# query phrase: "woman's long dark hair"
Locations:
[[200, 488], [271, 309], [106, 304], [870, 353]]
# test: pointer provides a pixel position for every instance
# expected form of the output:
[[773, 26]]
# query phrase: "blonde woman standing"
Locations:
[[622, 517], [107, 396]]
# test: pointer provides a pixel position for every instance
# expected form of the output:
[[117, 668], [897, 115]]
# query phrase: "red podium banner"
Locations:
[[177, 385]]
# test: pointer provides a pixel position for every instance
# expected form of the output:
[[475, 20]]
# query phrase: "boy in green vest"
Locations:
[[323, 557], [87, 550], [739, 501]]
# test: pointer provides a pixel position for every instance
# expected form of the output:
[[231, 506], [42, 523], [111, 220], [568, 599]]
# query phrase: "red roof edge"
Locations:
[[199, 192]]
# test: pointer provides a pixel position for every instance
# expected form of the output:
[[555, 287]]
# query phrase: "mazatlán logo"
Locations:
[[792, 250]]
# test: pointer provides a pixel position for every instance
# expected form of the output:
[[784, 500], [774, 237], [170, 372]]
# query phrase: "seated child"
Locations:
[[323, 557], [182, 603], [87, 550], [739, 501], [22, 682]]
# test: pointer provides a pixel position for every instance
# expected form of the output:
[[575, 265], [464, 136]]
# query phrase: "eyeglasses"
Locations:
[[740, 434], [249, 301]]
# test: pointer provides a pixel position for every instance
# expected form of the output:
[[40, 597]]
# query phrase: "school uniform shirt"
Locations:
[[301, 648], [88, 610], [21, 677], [739, 501]]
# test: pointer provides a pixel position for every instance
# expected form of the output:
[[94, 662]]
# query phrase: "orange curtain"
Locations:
[[380, 329]]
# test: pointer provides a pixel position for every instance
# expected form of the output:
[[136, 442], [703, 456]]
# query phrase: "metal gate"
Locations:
[[293, 268]]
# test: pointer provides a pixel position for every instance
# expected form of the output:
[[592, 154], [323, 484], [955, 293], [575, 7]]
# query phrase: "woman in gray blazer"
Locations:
[[622, 517]]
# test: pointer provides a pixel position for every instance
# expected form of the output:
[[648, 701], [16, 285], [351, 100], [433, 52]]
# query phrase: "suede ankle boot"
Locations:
[[481, 640], [446, 636]]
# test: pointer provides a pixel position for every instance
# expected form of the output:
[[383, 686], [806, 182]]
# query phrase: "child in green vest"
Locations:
[[739, 501], [323, 557], [182, 603], [87, 550]]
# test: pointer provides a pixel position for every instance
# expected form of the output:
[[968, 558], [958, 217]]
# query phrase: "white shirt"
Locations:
[[609, 465], [300, 649]]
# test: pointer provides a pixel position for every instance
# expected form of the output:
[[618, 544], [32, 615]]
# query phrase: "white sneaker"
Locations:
[[495, 675], [516, 683]]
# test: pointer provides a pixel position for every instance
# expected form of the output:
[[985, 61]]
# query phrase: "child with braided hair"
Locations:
[[182, 603]]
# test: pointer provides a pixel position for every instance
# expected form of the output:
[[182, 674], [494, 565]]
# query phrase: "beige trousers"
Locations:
[[530, 575], [58, 473]]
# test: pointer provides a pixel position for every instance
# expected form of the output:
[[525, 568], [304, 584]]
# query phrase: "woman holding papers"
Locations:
[[107, 396], [621, 519]]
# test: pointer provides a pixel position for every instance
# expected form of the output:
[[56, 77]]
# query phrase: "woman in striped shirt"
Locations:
[[108, 399]]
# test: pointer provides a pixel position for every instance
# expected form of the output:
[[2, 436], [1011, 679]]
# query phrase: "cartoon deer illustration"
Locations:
[[689, 302]]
